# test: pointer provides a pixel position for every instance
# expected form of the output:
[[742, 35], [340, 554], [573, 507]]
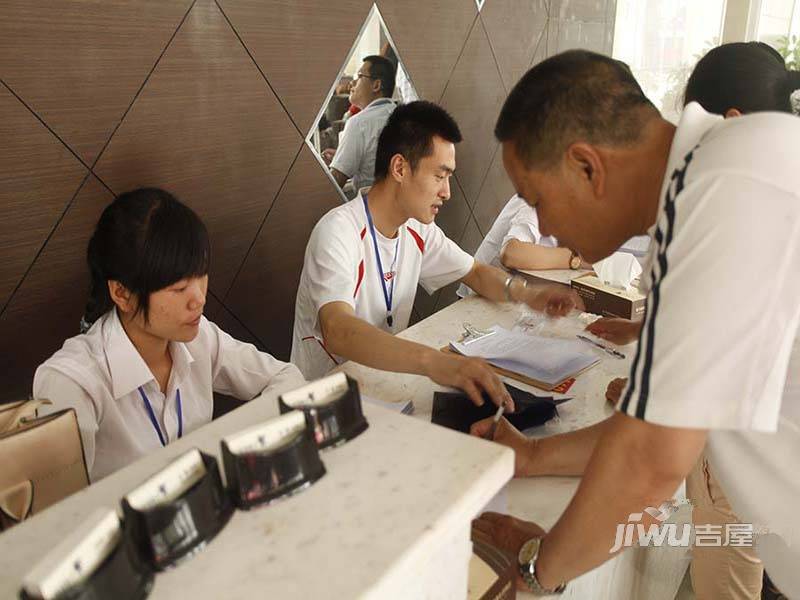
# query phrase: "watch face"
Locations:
[[529, 550]]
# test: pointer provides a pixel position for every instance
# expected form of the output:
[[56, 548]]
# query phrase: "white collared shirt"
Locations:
[[358, 142], [99, 374]]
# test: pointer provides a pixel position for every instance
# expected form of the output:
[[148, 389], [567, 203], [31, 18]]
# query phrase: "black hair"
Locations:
[[382, 69], [146, 240], [409, 131], [747, 76], [573, 96]]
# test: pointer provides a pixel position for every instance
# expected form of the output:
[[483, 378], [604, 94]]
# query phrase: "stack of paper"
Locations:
[[546, 361]]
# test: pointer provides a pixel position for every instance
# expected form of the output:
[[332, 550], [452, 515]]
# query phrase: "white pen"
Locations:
[[611, 351], [490, 433]]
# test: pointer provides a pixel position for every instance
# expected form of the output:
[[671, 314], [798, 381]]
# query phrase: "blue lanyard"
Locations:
[[388, 295], [152, 415]]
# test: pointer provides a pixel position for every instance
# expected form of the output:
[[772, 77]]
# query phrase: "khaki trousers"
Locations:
[[719, 573]]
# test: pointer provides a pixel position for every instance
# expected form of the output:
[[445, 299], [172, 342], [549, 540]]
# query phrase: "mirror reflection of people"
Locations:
[[371, 92], [365, 260], [716, 370], [145, 372]]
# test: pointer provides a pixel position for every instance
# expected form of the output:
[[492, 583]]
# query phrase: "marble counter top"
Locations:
[[396, 497], [652, 573]]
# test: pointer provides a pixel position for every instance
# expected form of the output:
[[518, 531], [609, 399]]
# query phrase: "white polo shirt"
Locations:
[[719, 348], [358, 142], [340, 266], [99, 374]]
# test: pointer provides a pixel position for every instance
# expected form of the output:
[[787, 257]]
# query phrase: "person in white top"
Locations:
[[730, 80], [372, 92], [515, 243], [365, 259], [145, 372], [718, 360]]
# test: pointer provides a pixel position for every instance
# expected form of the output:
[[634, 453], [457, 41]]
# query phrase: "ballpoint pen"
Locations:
[[490, 433], [611, 351]]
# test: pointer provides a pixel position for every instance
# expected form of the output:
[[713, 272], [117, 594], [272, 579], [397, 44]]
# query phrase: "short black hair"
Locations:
[[747, 76], [577, 95], [409, 132], [145, 239], [382, 69]]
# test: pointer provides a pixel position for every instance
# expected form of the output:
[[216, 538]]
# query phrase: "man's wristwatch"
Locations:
[[527, 569], [574, 260]]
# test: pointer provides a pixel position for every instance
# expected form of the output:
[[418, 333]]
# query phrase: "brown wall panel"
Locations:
[[49, 304], [263, 294], [79, 64], [473, 96], [208, 128], [429, 38], [495, 193], [38, 178], [300, 46], [514, 29], [454, 214]]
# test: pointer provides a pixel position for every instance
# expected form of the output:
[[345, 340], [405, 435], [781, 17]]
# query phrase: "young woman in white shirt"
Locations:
[[145, 371]]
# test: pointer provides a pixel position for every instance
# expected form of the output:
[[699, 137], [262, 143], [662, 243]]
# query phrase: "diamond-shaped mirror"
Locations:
[[371, 82]]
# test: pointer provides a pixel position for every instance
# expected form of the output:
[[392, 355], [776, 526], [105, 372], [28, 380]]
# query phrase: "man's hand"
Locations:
[[554, 300], [508, 435], [614, 389], [472, 375], [615, 330], [506, 533]]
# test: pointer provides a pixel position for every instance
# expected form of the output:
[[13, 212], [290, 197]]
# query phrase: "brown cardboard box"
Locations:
[[602, 299]]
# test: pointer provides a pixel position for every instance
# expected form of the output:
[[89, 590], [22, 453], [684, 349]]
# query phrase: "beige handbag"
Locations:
[[41, 457]]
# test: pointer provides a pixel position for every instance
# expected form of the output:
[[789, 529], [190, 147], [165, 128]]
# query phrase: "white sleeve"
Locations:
[[524, 227], [332, 263], [723, 308], [241, 370], [65, 393], [351, 149], [443, 261]]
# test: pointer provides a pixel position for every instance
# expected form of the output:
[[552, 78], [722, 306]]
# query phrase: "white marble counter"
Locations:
[[390, 519], [652, 573]]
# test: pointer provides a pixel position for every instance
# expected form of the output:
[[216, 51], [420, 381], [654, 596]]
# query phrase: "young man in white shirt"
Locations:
[[371, 92], [365, 259], [718, 360]]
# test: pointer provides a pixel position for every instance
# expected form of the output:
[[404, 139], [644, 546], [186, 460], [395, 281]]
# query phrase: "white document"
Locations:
[[549, 360]]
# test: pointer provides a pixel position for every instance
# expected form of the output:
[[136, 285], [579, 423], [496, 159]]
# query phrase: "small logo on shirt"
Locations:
[[389, 276]]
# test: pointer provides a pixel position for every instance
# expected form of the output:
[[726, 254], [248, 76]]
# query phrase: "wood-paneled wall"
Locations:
[[212, 100]]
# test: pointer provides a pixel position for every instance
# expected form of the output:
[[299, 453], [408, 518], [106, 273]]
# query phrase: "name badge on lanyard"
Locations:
[[150, 413], [388, 294]]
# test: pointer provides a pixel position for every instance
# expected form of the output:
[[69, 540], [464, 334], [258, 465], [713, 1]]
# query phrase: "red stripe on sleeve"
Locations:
[[418, 239], [363, 232], [360, 277]]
